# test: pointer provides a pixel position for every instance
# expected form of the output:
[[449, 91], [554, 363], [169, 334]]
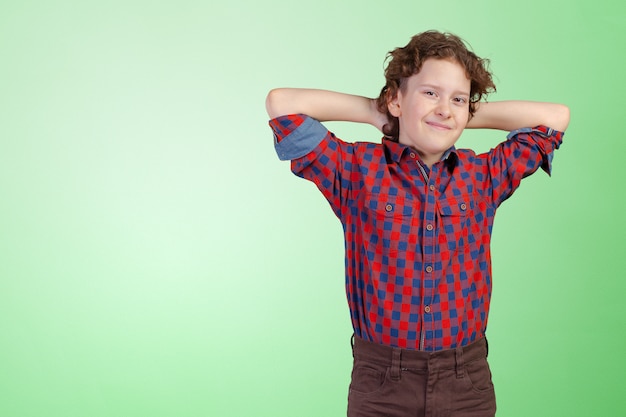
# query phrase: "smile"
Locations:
[[438, 126]]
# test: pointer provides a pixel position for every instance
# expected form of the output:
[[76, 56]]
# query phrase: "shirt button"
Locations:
[[412, 155], [388, 207], [463, 206], [431, 187], [429, 269], [429, 227], [427, 309]]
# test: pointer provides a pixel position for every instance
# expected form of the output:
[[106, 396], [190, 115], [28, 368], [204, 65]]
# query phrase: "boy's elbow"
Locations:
[[562, 118], [273, 103]]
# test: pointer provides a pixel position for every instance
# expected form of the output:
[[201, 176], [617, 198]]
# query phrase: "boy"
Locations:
[[417, 215]]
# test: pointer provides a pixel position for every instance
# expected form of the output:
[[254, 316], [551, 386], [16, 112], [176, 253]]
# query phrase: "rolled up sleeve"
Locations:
[[296, 135], [545, 138]]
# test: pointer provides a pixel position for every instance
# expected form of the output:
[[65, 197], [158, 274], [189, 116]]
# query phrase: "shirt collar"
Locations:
[[395, 151]]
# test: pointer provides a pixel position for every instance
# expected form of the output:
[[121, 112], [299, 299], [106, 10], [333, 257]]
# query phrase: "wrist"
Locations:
[[376, 118]]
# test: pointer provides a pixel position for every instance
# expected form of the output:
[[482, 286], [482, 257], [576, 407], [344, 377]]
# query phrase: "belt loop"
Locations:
[[396, 355], [352, 344], [459, 362], [487, 346]]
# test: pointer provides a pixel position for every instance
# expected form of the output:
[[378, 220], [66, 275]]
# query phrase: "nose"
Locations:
[[443, 109]]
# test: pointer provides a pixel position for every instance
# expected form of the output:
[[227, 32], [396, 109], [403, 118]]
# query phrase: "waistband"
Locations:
[[417, 359]]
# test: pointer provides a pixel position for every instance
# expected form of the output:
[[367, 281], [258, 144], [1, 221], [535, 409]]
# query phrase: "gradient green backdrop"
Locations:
[[156, 259]]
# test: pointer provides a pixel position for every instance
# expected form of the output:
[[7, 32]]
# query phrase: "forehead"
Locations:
[[442, 73]]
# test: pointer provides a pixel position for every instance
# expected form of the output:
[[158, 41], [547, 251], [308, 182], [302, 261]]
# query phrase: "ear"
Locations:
[[393, 105]]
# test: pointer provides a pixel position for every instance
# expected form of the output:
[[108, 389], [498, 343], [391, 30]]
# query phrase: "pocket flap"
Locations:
[[390, 205], [454, 206]]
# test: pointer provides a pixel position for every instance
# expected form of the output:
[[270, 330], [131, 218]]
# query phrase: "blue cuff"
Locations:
[[301, 141], [549, 132]]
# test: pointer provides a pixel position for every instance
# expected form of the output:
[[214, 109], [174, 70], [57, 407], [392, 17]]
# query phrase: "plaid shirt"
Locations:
[[417, 240]]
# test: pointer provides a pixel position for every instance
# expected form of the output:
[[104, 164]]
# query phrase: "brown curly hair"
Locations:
[[408, 60]]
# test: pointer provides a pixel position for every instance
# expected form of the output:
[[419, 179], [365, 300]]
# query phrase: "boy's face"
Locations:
[[433, 108]]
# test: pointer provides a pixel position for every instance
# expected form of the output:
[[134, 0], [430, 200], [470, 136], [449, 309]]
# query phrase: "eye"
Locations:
[[460, 100], [430, 93]]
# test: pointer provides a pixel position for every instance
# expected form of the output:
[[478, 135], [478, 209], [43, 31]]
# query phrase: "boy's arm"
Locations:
[[324, 105], [512, 115]]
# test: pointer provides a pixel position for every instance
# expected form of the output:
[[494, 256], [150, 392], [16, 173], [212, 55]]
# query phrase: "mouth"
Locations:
[[439, 126]]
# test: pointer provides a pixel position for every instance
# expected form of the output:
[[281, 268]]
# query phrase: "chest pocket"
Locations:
[[454, 215], [389, 206], [388, 221]]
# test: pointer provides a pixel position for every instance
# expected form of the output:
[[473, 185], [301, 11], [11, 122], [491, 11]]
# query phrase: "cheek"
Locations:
[[420, 108], [462, 118]]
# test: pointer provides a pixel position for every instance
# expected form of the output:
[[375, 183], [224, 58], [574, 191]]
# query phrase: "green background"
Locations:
[[156, 259]]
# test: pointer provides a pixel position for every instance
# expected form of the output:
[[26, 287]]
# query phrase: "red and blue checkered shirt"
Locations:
[[417, 240]]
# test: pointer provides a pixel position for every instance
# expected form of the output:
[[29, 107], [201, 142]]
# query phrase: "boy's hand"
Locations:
[[378, 119]]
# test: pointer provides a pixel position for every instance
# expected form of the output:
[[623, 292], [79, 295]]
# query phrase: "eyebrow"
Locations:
[[437, 87]]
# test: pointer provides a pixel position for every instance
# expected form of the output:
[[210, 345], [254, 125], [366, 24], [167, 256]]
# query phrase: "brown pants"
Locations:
[[395, 382]]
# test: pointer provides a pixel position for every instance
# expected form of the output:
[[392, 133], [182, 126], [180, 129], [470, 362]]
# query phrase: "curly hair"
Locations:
[[408, 60]]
